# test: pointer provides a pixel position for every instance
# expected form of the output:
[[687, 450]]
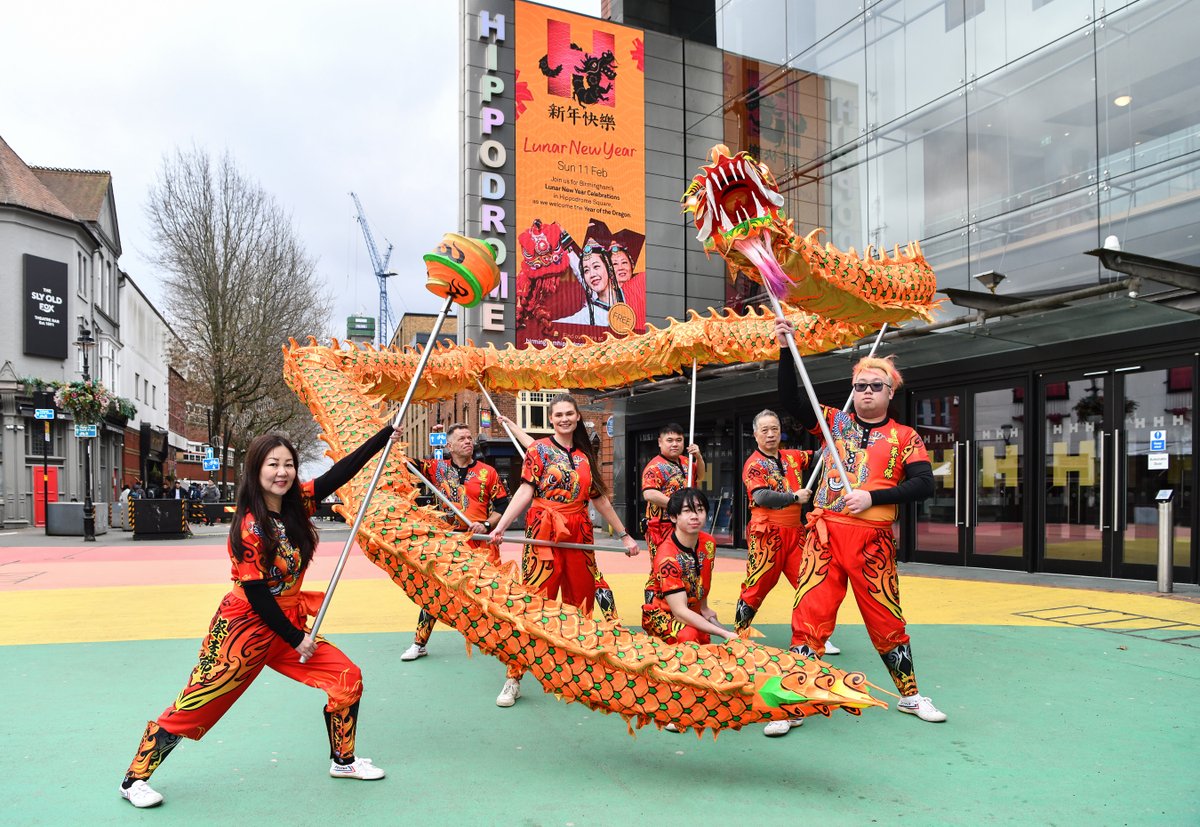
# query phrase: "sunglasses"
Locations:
[[876, 387]]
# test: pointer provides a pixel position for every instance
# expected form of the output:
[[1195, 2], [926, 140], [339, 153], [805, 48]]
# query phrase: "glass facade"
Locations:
[[1008, 137], [1004, 136]]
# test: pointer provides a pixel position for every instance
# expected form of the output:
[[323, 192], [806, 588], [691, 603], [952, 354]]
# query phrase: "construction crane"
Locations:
[[384, 329]]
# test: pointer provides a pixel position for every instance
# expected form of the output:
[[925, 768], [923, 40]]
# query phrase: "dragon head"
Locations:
[[813, 687], [731, 198]]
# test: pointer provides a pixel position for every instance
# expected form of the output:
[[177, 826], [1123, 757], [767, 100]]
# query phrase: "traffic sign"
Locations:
[[211, 464], [437, 453], [43, 413], [85, 431], [437, 439], [208, 452], [1158, 440]]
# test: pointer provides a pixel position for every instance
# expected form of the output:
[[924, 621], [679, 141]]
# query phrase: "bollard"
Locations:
[[1166, 540]]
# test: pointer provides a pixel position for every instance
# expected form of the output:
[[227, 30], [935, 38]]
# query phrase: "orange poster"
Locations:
[[580, 177]]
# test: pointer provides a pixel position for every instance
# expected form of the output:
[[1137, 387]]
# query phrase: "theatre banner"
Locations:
[[580, 177]]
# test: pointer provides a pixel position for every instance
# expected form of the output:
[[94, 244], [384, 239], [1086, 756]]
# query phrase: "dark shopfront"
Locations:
[[1039, 434]]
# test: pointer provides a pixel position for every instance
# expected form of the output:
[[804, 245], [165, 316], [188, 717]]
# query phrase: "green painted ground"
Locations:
[[1047, 726]]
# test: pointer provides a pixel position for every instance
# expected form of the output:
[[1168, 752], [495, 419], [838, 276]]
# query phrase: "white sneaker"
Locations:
[[413, 652], [672, 728], [922, 707], [509, 694], [362, 768], [139, 794], [776, 728], [830, 649]]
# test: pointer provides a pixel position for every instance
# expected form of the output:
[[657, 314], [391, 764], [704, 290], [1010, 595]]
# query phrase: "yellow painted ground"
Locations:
[[163, 612]]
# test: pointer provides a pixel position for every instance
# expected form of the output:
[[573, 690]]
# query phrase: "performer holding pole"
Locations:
[[261, 621], [522, 440], [461, 270], [663, 476], [475, 488], [850, 532], [558, 479]]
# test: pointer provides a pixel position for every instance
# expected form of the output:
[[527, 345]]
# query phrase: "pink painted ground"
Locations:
[[196, 561]]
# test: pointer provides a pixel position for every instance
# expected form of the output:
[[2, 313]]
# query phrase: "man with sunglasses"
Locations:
[[850, 535]]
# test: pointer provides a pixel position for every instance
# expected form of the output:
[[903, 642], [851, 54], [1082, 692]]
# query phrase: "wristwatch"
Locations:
[[487, 524]]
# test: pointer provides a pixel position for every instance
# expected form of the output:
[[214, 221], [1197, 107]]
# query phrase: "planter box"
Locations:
[[66, 519]]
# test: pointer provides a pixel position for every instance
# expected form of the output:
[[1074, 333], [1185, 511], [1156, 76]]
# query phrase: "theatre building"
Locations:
[[1045, 154]]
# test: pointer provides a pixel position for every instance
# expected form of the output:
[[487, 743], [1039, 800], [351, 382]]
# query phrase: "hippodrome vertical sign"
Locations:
[[580, 177]]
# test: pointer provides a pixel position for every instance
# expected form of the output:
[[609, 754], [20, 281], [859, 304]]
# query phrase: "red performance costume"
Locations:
[[775, 536], [475, 489], [667, 476], [259, 623], [562, 488], [677, 568], [888, 460]]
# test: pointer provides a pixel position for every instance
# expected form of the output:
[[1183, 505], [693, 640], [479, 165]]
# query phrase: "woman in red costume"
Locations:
[[262, 621], [557, 481]]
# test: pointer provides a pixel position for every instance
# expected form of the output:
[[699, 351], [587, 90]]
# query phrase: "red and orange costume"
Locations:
[[677, 568], [667, 476], [562, 487], [888, 460], [774, 536], [475, 489], [259, 623]]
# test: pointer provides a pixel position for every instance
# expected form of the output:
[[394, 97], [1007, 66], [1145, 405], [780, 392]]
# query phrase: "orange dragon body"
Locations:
[[597, 663]]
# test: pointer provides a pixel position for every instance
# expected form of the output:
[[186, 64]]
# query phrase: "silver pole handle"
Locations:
[[503, 424], [968, 483], [692, 425], [1117, 493], [366, 501]]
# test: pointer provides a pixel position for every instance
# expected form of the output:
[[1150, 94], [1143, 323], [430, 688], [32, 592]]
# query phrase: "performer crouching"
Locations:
[[558, 479], [676, 608], [262, 621]]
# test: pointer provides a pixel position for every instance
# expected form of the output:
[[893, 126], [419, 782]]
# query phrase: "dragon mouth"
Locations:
[[730, 198]]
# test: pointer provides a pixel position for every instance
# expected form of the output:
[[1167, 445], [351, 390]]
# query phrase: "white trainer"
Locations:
[[830, 649], [139, 794], [672, 728], [774, 729], [362, 769], [509, 694], [922, 707], [413, 652]]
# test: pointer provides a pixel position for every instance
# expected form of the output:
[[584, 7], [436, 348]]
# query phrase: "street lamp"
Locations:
[[85, 343]]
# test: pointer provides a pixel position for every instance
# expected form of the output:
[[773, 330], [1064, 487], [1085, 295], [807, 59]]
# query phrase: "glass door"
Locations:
[[1076, 492], [1155, 453], [1113, 439], [975, 437], [940, 523]]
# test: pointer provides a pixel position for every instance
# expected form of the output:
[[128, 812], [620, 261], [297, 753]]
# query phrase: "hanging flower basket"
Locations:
[[86, 402], [120, 410]]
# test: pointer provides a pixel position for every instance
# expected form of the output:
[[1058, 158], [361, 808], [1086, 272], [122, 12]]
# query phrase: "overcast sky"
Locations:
[[312, 99]]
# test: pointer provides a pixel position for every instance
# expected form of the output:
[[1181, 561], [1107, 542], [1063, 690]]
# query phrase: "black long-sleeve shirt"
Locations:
[[258, 592]]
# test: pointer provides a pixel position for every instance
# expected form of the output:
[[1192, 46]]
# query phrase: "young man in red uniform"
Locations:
[[663, 476], [676, 608], [476, 488], [850, 532]]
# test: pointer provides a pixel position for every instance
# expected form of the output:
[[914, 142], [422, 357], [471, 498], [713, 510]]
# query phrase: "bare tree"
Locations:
[[239, 283]]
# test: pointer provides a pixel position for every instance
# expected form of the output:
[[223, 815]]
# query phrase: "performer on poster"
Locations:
[[663, 476], [476, 488], [601, 291], [850, 532], [624, 250], [262, 621]]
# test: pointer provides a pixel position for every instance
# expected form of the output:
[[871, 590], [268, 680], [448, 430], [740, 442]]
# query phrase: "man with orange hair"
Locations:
[[850, 532]]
